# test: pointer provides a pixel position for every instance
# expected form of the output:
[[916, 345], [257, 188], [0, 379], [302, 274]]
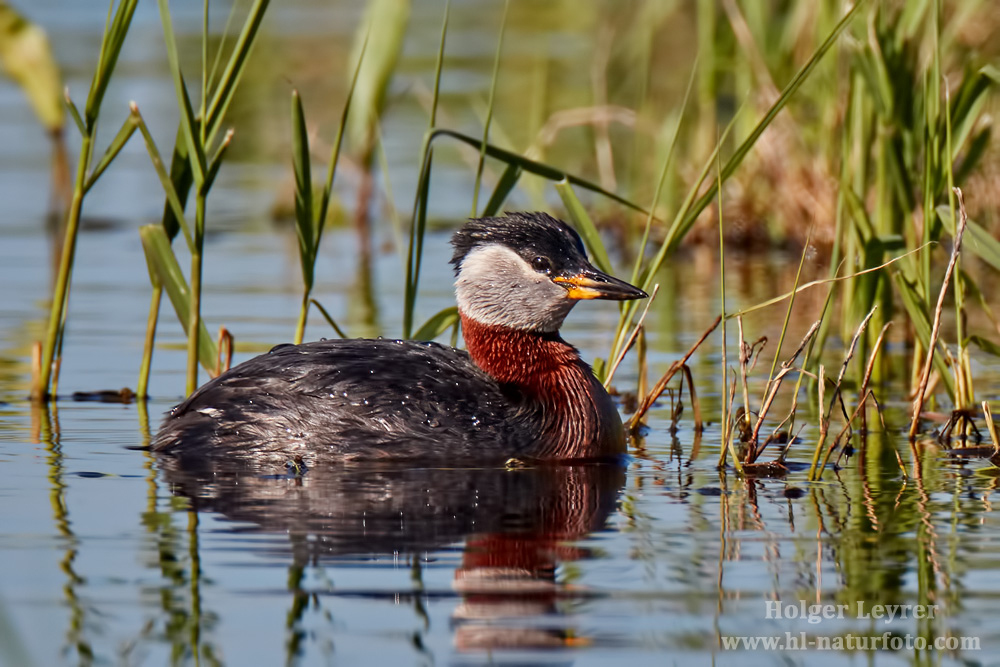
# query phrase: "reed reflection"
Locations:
[[516, 526]]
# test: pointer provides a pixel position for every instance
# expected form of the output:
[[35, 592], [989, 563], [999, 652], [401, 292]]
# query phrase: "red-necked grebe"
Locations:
[[519, 392]]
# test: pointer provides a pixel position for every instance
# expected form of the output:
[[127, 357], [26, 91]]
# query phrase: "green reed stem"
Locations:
[[728, 447], [964, 391], [60, 298], [115, 30], [489, 112], [788, 311], [418, 224], [300, 325], [194, 318], [310, 221], [147, 349]]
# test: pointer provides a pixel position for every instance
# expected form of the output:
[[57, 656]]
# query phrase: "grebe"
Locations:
[[519, 392]]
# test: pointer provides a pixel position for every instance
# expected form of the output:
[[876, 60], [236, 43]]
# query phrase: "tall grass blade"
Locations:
[[438, 324], [74, 113], [329, 318], [48, 375], [111, 46], [920, 318], [142, 388], [175, 204], [508, 181], [439, 64], [664, 170], [310, 219], [648, 275], [675, 235], [233, 72], [969, 99], [303, 194], [331, 171], [188, 123], [489, 110], [788, 311], [216, 163], [415, 253], [416, 249], [728, 446], [304, 213], [178, 182], [418, 224], [114, 148], [930, 345], [542, 169], [584, 225], [979, 241], [985, 344]]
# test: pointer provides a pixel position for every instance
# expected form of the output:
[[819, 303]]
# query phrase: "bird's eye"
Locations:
[[541, 264]]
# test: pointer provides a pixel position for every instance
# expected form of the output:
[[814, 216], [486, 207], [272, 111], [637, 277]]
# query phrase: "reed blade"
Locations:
[[489, 111], [165, 270], [175, 203], [437, 324], [304, 221], [542, 169], [508, 181], [192, 136], [588, 230], [111, 46], [114, 148], [233, 73], [418, 224]]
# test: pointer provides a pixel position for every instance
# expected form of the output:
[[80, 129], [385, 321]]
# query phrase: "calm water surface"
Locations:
[[110, 556]]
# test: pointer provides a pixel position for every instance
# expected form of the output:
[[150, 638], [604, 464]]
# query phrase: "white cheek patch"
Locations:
[[497, 287]]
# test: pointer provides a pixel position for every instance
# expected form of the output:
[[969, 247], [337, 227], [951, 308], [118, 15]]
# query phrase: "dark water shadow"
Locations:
[[514, 528]]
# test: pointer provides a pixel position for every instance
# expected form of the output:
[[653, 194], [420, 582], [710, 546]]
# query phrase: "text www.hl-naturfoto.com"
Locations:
[[884, 642]]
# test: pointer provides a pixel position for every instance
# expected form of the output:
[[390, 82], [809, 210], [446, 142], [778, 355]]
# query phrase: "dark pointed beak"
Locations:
[[593, 284]]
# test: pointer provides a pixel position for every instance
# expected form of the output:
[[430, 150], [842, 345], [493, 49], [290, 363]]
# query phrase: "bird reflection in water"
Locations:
[[516, 525]]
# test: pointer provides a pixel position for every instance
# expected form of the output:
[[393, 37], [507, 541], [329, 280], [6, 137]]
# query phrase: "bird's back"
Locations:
[[338, 400]]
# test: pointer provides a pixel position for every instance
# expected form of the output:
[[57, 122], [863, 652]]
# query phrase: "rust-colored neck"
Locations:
[[577, 418]]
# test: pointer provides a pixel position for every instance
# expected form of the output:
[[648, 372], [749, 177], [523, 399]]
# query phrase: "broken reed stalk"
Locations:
[[661, 385], [728, 447], [225, 347], [814, 473], [699, 426], [746, 352], [791, 303], [142, 389], [989, 423], [775, 383], [918, 401], [758, 450], [869, 369], [642, 361], [847, 426], [860, 409]]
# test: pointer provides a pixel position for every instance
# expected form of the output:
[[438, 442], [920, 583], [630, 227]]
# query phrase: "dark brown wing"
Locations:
[[350, 399]]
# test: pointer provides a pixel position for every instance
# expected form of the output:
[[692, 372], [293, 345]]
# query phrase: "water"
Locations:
[[109, 556]]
